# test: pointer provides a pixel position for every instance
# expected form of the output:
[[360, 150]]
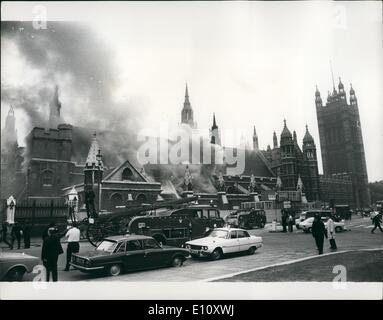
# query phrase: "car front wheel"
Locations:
[[309, 230], [115, 270], [177, 261], [216, 254], [15, 274], [251, 250]]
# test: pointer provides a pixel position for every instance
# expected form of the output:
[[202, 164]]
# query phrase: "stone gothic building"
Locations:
[[292, 164], [341, 140]]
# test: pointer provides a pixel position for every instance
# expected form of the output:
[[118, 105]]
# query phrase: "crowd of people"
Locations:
[[11, 233]]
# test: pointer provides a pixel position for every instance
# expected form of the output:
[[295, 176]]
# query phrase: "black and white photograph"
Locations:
[[191, 150]]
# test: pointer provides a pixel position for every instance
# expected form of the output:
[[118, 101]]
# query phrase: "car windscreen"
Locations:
[[218, 234], [107, 245]]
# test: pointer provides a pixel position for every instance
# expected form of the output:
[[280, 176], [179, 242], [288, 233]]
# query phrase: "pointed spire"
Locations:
[[308, 137], [299, 183], [94, 154], [11, 111], [332, 76], [255, 140], [295, 136], [275, 140], [214, 122], [186, 93], [340, 85]]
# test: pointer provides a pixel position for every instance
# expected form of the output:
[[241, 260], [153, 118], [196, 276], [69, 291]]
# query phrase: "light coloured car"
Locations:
[[13, 265], [306, 225], [222, 241]]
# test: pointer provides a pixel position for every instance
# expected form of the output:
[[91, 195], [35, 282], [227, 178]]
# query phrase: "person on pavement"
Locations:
[[50, 253], [4, 229], [284, 222], [377, 220], [291, 223], [319, 232], [27, 234], [73, 238], [331, 232], [16, 234]]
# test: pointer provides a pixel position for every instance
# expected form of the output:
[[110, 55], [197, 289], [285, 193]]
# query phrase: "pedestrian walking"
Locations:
[[16, 234], [73, 238], [291, 223], [319, 232], [284, 221], [377, 220], [331, 232], [27, 234], [4, 229], [50, 252]]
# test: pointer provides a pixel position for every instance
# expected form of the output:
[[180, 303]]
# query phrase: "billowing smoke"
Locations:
[[71, 56]]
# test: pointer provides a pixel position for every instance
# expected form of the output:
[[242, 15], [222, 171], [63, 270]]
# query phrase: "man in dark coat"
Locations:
[[319, 232], [16, 234], [27, 234], [284, 221], [50, 252], [377, 220], [4, 228]]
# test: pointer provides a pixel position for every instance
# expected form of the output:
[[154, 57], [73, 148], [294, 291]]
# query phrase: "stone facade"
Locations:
[[341, 140]]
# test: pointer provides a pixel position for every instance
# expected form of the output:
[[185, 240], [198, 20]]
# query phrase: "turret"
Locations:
[[214, 133], [286, 137], [353, 100], [318, 99], [275, 140]]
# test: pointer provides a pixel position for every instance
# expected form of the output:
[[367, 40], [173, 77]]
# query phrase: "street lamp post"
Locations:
[[99, 177]]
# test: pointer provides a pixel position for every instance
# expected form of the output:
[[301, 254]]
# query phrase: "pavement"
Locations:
[[278, 247]]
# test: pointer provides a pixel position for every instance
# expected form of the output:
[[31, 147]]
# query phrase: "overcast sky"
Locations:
[[252, 63]]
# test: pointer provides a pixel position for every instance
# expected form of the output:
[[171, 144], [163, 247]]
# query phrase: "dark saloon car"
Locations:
[[130, 252]]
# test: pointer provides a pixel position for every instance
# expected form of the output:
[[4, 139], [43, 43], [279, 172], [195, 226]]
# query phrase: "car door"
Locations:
[[154, 255], [134, 255], [231, 244], [244, 240]]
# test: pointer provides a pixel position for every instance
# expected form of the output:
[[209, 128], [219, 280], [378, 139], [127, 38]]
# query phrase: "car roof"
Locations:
[[229, 229], [128, 237]]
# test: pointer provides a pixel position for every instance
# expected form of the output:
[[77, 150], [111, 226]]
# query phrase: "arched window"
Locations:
[[47, 178], [141, 198], [116, 200], [127, 174]]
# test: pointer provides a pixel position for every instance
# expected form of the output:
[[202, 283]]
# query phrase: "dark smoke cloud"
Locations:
[[70, 55]]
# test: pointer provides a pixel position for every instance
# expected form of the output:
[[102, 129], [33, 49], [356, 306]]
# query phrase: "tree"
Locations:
[[376, 190]]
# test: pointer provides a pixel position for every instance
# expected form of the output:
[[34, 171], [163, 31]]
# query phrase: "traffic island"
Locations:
[[360, 266]]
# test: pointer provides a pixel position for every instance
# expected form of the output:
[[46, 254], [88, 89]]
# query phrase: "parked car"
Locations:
[[246, 219], [130, 252], [13, 265], [222, 241], [309, 214], [306, 225]]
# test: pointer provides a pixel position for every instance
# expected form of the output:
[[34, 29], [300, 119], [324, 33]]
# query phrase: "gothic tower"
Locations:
[[215, 137], [288, 166], [255, 140], [187, 111], [341, 140], [311, 178]]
